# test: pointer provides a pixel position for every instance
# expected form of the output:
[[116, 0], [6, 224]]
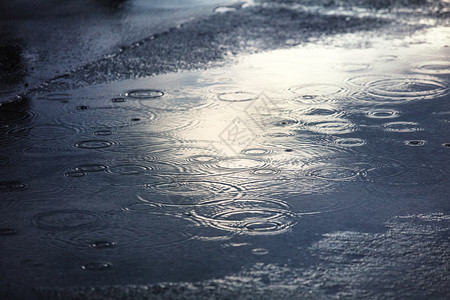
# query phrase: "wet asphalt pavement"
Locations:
[[220, 149]]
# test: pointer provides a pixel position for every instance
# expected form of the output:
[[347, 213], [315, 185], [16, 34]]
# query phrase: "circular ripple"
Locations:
[[333, 173], [238, 164], [402, 127], [432, 67], [189, 193], [42, 133], [238, 96], [91, 168], [354, 67], [129, 169], [96, 266], [94, 144], [202, 158], [312, 93], [256, 152], [265, 172], [260, 251], [340, 168], [415, 143], [322, 112], [248, 216], [108, 117], [144, 94], [382, 113], [65, 219], [13, 116], [397, 173], [350, 142], [399, 89], [129, 232], [337, 126]]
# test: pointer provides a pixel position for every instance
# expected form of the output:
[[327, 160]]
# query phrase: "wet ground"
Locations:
[[274, 149]]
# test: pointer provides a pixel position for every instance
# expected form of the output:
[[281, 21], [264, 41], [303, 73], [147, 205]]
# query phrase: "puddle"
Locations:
[[268, 152]]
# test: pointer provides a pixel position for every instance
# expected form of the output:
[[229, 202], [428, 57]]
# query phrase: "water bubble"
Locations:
[[382, 113], [82, 107], [144, 94], [432, 67], [446, 145], [402, 127], [7, 231], [415, 143], [94, 144], [91, 168], [102, 244], [117, 100], [96, 266], [135, 119], [239, 96], [65, 219]]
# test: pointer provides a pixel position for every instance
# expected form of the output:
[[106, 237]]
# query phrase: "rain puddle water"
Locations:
[[148, 179]]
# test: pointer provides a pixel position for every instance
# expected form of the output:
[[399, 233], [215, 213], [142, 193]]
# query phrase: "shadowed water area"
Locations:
[[306, 158]]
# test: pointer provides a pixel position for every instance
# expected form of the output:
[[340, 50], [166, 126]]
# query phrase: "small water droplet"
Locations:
[[82, 107], [135, 119], [96, 266], [289, 150], [446, 145], [118, 100]]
